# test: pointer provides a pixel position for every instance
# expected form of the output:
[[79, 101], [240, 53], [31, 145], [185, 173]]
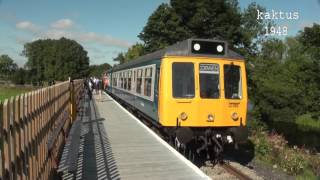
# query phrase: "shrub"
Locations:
[[262, 146], [272, 148], [306, 122], [307, 174]]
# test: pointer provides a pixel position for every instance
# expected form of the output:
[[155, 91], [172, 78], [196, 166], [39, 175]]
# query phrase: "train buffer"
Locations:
[[107, 142]]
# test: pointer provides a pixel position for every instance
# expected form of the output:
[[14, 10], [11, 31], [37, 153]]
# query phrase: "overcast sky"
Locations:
[[105, 27]]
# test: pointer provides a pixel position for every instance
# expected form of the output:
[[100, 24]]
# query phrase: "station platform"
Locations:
[[107, 142]]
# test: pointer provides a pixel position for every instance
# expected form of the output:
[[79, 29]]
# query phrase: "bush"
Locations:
[[273, 149], [307, 174], [293, 161], [306, 122], [262, 146]]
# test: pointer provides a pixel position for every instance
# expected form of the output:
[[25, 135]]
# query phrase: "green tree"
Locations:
[[7, 67], [120, 58], [134, 52], [20, 76], [50, 60], [218, 19], [310, 38], [285, 81], [252, 30], [164, 27], [98, 70]]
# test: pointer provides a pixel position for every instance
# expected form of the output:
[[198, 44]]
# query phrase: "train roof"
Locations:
[[189, 47]]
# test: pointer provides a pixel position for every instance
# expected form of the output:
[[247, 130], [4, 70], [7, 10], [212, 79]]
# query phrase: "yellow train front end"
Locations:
[[202, 92], [203, 103]]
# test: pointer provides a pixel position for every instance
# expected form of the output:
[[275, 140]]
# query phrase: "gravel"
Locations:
[[217, 172], [255, 170]]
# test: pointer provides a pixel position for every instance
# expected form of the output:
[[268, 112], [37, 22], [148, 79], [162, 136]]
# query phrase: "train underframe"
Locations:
[[206, 142]]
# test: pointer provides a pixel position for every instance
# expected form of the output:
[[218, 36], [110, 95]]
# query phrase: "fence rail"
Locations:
[[33, 127]]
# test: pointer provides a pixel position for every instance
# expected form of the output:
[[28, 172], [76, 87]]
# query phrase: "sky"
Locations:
[[106, 27]]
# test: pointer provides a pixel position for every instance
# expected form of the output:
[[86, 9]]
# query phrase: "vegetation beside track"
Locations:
[[273, 149], [7, 92]]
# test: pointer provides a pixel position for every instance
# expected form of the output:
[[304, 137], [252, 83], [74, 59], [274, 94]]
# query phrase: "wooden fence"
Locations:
[[33, 127]]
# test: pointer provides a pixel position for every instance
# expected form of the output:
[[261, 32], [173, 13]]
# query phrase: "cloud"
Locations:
[[61, 28], [102, 39], [102, 47], [21, 40], [62, 24], [89, 37], [304, 24], [27, 26]]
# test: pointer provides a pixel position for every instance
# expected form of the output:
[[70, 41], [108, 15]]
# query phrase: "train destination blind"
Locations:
[[209, 68]]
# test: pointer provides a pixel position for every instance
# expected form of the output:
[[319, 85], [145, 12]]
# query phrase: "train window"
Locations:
[[232, 81], [209, 81], [125, 80], [139, 81], [134, 80], [147, 82], [120, 78], [129, 80], [183, 80], [114, 80]]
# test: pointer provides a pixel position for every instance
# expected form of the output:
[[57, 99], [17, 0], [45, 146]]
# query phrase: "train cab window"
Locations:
[[147, 82], [183, 80], [129, 80], [139, 81], [209, 81], [232, 81]]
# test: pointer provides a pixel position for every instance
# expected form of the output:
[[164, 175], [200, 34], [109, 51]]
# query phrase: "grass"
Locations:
[[7, 92], [306, 122]]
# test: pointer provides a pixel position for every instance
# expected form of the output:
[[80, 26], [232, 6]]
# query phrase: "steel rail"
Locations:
[[238, 174]]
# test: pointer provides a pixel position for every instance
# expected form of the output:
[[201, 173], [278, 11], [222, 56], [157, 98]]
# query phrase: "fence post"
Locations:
[[72, 101], [1, 143]]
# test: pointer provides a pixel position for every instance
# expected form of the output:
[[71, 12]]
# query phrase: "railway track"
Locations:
[[235, 172]]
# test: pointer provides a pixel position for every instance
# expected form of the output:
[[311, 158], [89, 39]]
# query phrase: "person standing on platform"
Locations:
[[105, 82], [100, 88], [96, 87], [88, 86]]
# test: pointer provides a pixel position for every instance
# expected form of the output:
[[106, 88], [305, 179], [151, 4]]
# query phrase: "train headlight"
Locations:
[[219, 48], [196, 46], [183, 116], [210, 118], [235, 116]]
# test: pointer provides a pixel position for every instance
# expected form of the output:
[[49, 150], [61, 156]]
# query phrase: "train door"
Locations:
[[210, 108], [156, 91]]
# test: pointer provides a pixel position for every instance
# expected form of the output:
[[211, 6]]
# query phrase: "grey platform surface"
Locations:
[[115, 145]]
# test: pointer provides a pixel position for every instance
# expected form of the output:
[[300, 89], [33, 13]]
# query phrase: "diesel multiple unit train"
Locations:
[[195, 91]]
